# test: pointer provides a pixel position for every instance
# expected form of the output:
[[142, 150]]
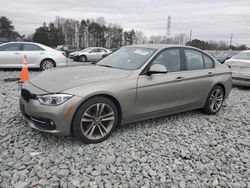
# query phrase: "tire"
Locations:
[[214, 100], [83, 58], [92, 127], [47, 64]]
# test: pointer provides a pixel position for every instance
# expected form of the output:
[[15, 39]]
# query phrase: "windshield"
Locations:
[[59, 47], [242, 55], [86, 49], [129, 58]]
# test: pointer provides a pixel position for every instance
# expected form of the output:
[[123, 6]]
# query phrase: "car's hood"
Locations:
[[59, 79], [77, 53]]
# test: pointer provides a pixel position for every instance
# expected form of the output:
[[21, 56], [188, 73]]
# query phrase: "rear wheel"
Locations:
[[215, 100], [95, 120], [47, 64]]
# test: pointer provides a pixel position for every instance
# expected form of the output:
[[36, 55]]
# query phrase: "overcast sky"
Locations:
[[209, 19]]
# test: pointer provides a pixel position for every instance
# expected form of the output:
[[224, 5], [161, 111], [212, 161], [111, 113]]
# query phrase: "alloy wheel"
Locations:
[[82, 59], [97, 121], [216, 100], [47, 65]]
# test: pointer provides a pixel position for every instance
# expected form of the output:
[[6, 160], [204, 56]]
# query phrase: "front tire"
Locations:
[[82, 58], [47, 64], [95, 120], [214, 101]]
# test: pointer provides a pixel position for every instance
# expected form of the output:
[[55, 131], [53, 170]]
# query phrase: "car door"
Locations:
[[198, 77], [93, 54], [159, 92], [10, 55], [103, 52], [34, 54]]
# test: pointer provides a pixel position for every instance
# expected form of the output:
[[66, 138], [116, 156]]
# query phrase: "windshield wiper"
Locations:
[[105, 65]]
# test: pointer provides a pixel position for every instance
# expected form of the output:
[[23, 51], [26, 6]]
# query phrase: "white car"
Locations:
[[240, 65], [90, 54], [39, 56]]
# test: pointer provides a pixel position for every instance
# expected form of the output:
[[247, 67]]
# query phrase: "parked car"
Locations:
[[132, 84], [240, 65], [39, 56], [222, 58], [90, 54], [67, 49]]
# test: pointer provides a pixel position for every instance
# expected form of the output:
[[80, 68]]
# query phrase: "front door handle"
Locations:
[[16, 53], [210, 73], [179, 78]]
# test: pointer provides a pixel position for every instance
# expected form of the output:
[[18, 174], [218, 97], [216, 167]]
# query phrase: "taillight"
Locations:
[[231, 72]]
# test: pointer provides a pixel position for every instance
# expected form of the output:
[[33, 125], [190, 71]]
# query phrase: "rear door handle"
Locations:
[[179, 78], [16, 53]]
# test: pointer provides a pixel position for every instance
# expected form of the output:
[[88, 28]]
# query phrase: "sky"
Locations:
[[208, 19]]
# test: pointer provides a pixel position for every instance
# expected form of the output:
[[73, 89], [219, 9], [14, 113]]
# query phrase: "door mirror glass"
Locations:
[[157, 69]]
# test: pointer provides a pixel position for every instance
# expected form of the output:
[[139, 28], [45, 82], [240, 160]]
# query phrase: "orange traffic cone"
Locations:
[[25, 71]]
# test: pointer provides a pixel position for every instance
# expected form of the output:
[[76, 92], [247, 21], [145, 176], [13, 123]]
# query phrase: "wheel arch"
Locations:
[[108, 96], [221, 85]]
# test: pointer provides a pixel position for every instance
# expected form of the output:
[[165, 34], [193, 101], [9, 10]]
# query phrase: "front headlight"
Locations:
[[53, 99]]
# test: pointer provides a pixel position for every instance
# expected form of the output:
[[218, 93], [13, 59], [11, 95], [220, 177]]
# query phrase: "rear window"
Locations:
[[194, 60], [209, 64]]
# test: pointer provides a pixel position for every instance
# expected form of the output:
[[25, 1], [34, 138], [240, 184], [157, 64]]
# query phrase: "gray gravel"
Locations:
[[184, 150]]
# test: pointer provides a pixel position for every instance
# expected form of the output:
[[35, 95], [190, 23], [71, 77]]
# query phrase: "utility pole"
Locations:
[[76, 35], [231, 40], [169, 27], [190, 35]]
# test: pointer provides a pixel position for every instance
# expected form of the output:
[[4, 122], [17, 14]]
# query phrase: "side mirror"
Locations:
[[157, 69]]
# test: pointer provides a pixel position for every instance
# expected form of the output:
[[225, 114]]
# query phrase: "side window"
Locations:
[[31, 47], [209, 64], [94, 50], [170, 58], [102, 50], [72, 47], [11, 47], [65, 48], [194, 60]]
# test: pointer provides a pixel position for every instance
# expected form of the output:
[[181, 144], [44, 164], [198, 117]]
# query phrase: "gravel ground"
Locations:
[[184, 150]]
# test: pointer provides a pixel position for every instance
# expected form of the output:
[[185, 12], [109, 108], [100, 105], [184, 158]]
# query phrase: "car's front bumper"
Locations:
[[73, 57], [50, 119]]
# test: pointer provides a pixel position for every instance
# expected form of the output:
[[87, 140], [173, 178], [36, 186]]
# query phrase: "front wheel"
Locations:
[[82, 58], [214, 100], [95, 120]]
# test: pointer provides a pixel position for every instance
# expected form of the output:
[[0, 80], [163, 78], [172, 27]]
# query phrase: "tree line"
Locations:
[[213, 45], [97, 32], [85, 33]]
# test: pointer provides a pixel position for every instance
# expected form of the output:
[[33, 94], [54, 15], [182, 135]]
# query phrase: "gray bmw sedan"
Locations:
[[134, 83]]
